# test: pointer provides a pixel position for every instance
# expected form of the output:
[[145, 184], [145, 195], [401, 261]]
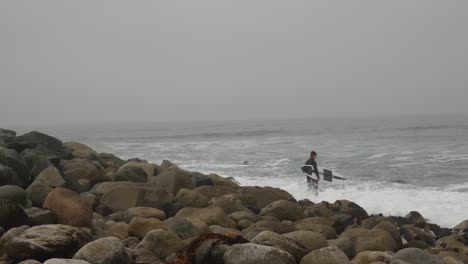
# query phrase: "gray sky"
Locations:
[[93, 61]]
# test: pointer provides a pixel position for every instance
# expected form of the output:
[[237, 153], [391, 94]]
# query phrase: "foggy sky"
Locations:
[[112, 61]]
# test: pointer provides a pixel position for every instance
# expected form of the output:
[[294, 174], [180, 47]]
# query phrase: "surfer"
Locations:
[[311, 168]]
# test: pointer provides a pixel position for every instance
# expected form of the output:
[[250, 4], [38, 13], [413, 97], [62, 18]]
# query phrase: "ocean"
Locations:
[[393, 164]]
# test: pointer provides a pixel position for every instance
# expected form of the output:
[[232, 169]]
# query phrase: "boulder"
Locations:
[[69, 208], [40, 165], [256, 254], [11, 159], [14, 193], [33, 139], [268, 225], [200, 179], [452, 260], [369, 240], [412, 233], [81, 151], [39, 216], [182, 227], [144, 212], [106, 250], [327, 255], [147, 167], [8, 236], [327, 231], [416, 219], [369, 257], [122, 197], [11, 214], [283, 210], [47, 241], [190, 198], [161, 243], [414, 256], [174, 179], [222, 181], [268, 238], [132, 174], [229, 203], [461, 228], [29, 261], [32, 156], [351, 208], [209, 216], [214, 191], [224, 230], [8, 176], [37, 192], [265, 195], [116, 229], [244, 215], [455, 243], [310, 240], [6, 135], [317, 221], [392, 229], [65, 261], [322, 209], [83, 169], [51, 176], [139, 226]]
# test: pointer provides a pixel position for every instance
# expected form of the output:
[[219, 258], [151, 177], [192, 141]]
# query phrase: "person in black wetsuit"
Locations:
[[310, 170]]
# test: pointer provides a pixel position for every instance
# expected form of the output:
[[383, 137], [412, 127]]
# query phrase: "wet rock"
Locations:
[[6, 135], [224, 231], [132, 174], [209, 216], [190, 198], [284, 210], [107, 250], [11, 159], [144, 212], [161, 243], [174, 179], [461, 228], [341, 222], [139, 227], [8, 236], [244, 215], [14, 193], [310, 240], [327, 231], [321, 209], [33, 139], [29, 261], [39, 216], [214, 191], [392, 229], [182, 227], [268, 225], [455, 243], [47, 241], [256, 254], [414, 256], [411, 233], [369, 257], [265, 195], [327, 255], [11, 214], [268, 238], [222, 181]]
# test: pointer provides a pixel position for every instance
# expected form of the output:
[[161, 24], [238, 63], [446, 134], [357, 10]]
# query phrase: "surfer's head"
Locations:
[[313, 155]]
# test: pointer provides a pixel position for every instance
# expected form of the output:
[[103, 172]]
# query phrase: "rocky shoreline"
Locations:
[[66, 203]]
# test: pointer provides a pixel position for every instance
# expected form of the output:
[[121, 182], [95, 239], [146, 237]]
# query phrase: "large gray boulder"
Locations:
[[83, 169], [144, 212], [310, 240], [256, 254], [80, 150], [415, 256], [65, 261], [132, 174], [139, 226], [11, 158], [11, 214], [209, 216], [108, 250], [190, 198], [182, 227], [268, 238], [39, 216], [327, 255], [174, 179], [47, 241], [33, 139], [265, 195], [8, 176], [6, 135]]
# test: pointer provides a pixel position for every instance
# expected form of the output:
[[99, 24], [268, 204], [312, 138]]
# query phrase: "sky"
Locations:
[[122, 61]]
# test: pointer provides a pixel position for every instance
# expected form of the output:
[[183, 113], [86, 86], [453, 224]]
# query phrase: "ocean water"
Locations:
[[393, 165]]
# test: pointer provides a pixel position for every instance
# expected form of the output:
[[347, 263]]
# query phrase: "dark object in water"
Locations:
[[187, 255], [245, 163], [399, 181]]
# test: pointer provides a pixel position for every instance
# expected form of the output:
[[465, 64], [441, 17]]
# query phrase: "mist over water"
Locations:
[[394, 165]]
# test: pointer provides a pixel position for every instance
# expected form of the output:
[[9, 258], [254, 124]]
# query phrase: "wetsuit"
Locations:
[[310, 170]]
